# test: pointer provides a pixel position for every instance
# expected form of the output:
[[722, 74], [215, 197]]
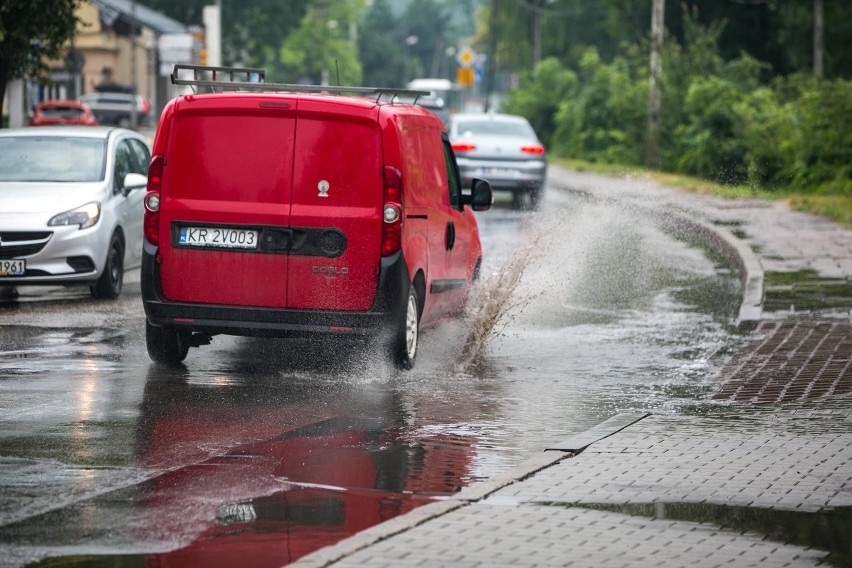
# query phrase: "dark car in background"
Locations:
[[503, 149], [117, 108], [62, 112]]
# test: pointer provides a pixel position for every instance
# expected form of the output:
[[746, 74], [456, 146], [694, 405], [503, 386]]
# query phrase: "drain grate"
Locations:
[[793, 360]]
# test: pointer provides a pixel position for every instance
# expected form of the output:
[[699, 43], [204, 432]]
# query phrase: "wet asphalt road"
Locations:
[[268, 449]]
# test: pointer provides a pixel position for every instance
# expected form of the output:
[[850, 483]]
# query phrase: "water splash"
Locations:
[[493, 302]]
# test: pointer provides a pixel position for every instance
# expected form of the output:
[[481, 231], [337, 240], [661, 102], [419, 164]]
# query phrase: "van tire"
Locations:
[[405, 341], [108, 286], [166, 345]]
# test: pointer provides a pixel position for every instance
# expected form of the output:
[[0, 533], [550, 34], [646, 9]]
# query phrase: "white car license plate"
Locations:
[[218, 237], [502, 172], [13, 267]]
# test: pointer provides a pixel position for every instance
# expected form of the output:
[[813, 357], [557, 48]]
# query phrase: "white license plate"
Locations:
[[218, 237], [13, 267], [502, 172]]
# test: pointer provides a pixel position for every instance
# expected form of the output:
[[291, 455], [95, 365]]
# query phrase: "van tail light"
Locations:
[[392, 211], [538, 150], [152, 217], [152, 200], [463, 147]]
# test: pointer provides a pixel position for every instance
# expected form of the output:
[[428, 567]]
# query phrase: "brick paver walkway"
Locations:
[[791, 360]]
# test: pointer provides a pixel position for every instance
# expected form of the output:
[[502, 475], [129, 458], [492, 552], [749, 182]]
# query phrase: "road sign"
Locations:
[[466, 57], [465, 76]]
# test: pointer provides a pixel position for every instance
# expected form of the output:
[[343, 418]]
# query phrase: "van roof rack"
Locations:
[[219, 79]]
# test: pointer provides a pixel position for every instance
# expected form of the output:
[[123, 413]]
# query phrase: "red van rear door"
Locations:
[[225, 200], [336, 205]]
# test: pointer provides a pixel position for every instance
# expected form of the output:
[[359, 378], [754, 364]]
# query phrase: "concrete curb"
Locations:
[[477, 492], [729, 246], [346, 547]]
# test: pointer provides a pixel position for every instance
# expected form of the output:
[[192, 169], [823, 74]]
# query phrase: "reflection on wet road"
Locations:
[[268, 449]]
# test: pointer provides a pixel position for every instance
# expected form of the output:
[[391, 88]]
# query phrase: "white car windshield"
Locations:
[[51, 158]]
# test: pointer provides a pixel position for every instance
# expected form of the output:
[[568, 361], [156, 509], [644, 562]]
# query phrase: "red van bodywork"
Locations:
[[267, 214]]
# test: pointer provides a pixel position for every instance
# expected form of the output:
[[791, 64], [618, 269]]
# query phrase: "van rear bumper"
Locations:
[[388, 307]]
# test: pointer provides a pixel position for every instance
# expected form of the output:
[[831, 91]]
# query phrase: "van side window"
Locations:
[[452, 176]]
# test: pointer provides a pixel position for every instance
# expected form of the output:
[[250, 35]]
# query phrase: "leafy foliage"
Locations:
[[252, 32], [544, 91], [380, 42], [322, 48], [605, 120], [30, 34], [721, 120]]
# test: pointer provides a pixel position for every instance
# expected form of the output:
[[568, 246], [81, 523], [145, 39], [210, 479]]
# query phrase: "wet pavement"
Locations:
[[759, 473], [269, 450], [254, 451]]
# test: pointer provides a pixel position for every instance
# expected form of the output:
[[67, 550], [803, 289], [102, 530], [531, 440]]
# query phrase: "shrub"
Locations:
[[605, 121], [540, 94]]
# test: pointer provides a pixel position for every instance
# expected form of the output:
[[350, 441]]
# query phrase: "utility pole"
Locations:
[[819, 28], [654, 95], [536, 43], [491, 59]]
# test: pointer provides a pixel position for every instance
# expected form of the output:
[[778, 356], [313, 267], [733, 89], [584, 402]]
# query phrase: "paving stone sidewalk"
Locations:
[[762, 476]]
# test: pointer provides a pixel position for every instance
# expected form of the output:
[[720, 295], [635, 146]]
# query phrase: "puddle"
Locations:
[[805, 291], [827, 529]]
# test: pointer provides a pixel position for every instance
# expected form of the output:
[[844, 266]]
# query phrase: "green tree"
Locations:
[[541, 94], [324, 46], [30, 32], [428, 21], [381, 46], [605, 120], [252, 31]]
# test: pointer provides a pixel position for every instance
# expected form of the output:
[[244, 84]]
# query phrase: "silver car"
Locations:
[[503, 149], [71, 206]]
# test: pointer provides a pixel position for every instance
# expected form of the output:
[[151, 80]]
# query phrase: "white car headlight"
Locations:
[[84, 216]]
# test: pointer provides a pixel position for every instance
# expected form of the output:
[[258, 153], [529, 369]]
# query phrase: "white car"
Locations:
[[503, 149], [71, 206]]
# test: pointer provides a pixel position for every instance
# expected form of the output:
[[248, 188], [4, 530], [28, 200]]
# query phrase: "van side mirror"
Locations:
[[481, 195]]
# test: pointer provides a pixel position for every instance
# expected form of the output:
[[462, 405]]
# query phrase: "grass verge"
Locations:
[[836, 207]]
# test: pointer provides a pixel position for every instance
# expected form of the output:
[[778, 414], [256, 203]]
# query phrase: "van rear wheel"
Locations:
[[165, 344], [407, 336]]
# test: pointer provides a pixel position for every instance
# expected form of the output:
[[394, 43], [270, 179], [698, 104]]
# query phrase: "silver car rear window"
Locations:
[[51, 158], [494, 127]]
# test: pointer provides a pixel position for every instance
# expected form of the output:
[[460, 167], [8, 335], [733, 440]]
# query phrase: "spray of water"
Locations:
[[493, 302], [584, 262]]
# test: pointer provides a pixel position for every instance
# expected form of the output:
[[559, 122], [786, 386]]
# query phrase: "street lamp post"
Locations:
[[410, 41], [134, 114]]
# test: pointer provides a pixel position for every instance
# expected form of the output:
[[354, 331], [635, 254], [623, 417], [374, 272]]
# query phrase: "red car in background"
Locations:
[[52, 113]]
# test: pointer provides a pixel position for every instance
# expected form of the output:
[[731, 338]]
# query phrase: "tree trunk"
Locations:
[[654, 96], [819, 24]]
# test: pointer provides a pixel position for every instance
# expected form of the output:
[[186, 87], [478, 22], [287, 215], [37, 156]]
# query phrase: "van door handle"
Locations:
[[451, 235], [278, 240]]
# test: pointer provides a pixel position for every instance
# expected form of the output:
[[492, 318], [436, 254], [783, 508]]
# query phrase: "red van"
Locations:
[[287, 210]]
